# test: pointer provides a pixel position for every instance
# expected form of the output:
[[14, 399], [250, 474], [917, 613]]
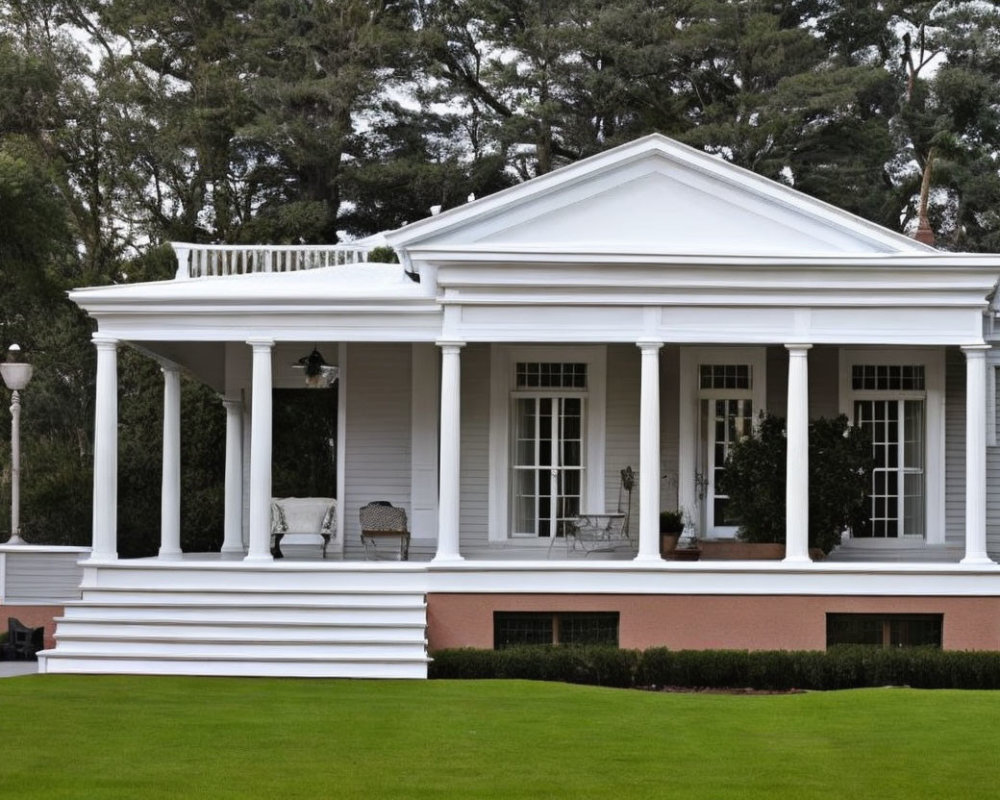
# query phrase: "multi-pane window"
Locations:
[[885, 630], [550, 375], [513, 628], [730, 421], [887, 377], [725, 376], [548, 464], [897, 429]]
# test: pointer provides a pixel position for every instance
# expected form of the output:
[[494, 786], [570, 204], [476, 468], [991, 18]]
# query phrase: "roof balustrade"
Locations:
[[212, 260]]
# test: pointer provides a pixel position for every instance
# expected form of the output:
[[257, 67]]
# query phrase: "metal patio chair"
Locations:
[[603, 532]]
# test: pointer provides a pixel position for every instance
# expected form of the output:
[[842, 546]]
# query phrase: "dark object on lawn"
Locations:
[[22, 642]]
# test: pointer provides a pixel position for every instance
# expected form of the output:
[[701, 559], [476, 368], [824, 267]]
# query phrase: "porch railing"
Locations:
[[202, 260]]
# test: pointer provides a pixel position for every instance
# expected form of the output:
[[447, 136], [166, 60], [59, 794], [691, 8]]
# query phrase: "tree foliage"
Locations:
[[125, 124]]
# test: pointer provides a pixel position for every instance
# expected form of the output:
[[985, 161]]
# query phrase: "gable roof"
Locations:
[[654, 195]]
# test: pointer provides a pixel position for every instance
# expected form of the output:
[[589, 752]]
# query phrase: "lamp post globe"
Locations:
[[16, 373]]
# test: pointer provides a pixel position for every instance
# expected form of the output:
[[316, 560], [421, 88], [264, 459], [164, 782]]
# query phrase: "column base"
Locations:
[[648, 558], [797, 560], [15, 539], [447, 559], [232, 553], [261, 559], [978, 561], [170, 555]]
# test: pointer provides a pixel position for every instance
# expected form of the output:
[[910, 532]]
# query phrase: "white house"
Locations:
[[635, 309]]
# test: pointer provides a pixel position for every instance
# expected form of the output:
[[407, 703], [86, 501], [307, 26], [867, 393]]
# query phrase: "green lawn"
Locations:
[[96, 737]]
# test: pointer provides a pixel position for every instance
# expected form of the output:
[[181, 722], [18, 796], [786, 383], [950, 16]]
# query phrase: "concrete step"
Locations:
[[155, 647], [330, 613], [226, 630], [139, 663], [302, 622], [250, 597]]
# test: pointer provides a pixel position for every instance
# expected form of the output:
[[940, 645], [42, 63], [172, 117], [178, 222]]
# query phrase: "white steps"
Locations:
[[186, 621]]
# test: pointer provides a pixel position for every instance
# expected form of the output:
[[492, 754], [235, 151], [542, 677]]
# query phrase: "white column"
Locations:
[[105, 534], [975, 455], [232, 539], [451, 431], [649, 453], [260, 453], [797, 464], [170, 487]]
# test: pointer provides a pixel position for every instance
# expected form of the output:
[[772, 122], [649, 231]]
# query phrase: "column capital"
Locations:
[[261, 344], [169, 367], [976, 350], [649, 344], [450, 345], [104, 342], [231, 402], [798, 349]]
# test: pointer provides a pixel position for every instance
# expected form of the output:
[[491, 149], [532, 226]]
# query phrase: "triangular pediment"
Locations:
[[655, 196]]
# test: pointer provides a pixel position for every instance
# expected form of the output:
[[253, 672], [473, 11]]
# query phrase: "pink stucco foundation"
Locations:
[[747, 622]]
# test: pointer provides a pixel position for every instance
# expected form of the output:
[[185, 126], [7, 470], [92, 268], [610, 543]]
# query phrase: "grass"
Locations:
[[96, 737]]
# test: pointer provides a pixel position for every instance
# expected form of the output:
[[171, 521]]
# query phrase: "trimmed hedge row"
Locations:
[[845, 667]]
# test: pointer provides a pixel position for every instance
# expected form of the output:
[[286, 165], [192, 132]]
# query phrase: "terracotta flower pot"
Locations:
[[668, 543]]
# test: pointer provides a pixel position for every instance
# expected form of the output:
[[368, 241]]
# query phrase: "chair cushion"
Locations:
[[304, 515]]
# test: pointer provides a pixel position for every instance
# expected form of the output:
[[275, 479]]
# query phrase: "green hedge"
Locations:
[[839, 668]]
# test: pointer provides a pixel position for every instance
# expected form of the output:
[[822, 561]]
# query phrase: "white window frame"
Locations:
[[690, 397], [503, 359], [933, 360]]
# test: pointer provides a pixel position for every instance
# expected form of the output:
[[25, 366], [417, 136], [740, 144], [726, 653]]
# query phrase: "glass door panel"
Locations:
[[728, 421], [897, 498], [548, 464]]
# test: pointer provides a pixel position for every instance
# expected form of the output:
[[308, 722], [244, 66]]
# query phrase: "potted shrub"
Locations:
[[671, 528], [840, 470]]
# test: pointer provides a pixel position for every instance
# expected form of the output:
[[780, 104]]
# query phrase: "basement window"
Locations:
[[516, 628], [885, 630]]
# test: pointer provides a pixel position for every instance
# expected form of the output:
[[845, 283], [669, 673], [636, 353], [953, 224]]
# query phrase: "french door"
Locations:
[[897, 500], [548, 464], [724, 422]]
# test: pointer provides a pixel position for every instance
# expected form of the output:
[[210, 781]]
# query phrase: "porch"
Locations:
[[401, 413]]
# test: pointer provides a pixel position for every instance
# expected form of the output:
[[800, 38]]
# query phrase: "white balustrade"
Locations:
[[205, 260]]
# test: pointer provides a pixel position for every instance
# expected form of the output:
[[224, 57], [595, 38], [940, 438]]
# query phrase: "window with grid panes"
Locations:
[[885, 630], [515, 628], [726, 417], [550, 375], [896, 425], [547, 463]]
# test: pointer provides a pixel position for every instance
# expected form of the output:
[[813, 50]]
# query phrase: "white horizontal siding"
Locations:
[[377, 385], [954, 457], [823, 381], [622, 423], [42, 578], [475, 457], [993, 477]]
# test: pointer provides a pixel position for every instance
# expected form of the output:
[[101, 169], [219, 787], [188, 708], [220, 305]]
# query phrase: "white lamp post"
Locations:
[[16, 375]]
